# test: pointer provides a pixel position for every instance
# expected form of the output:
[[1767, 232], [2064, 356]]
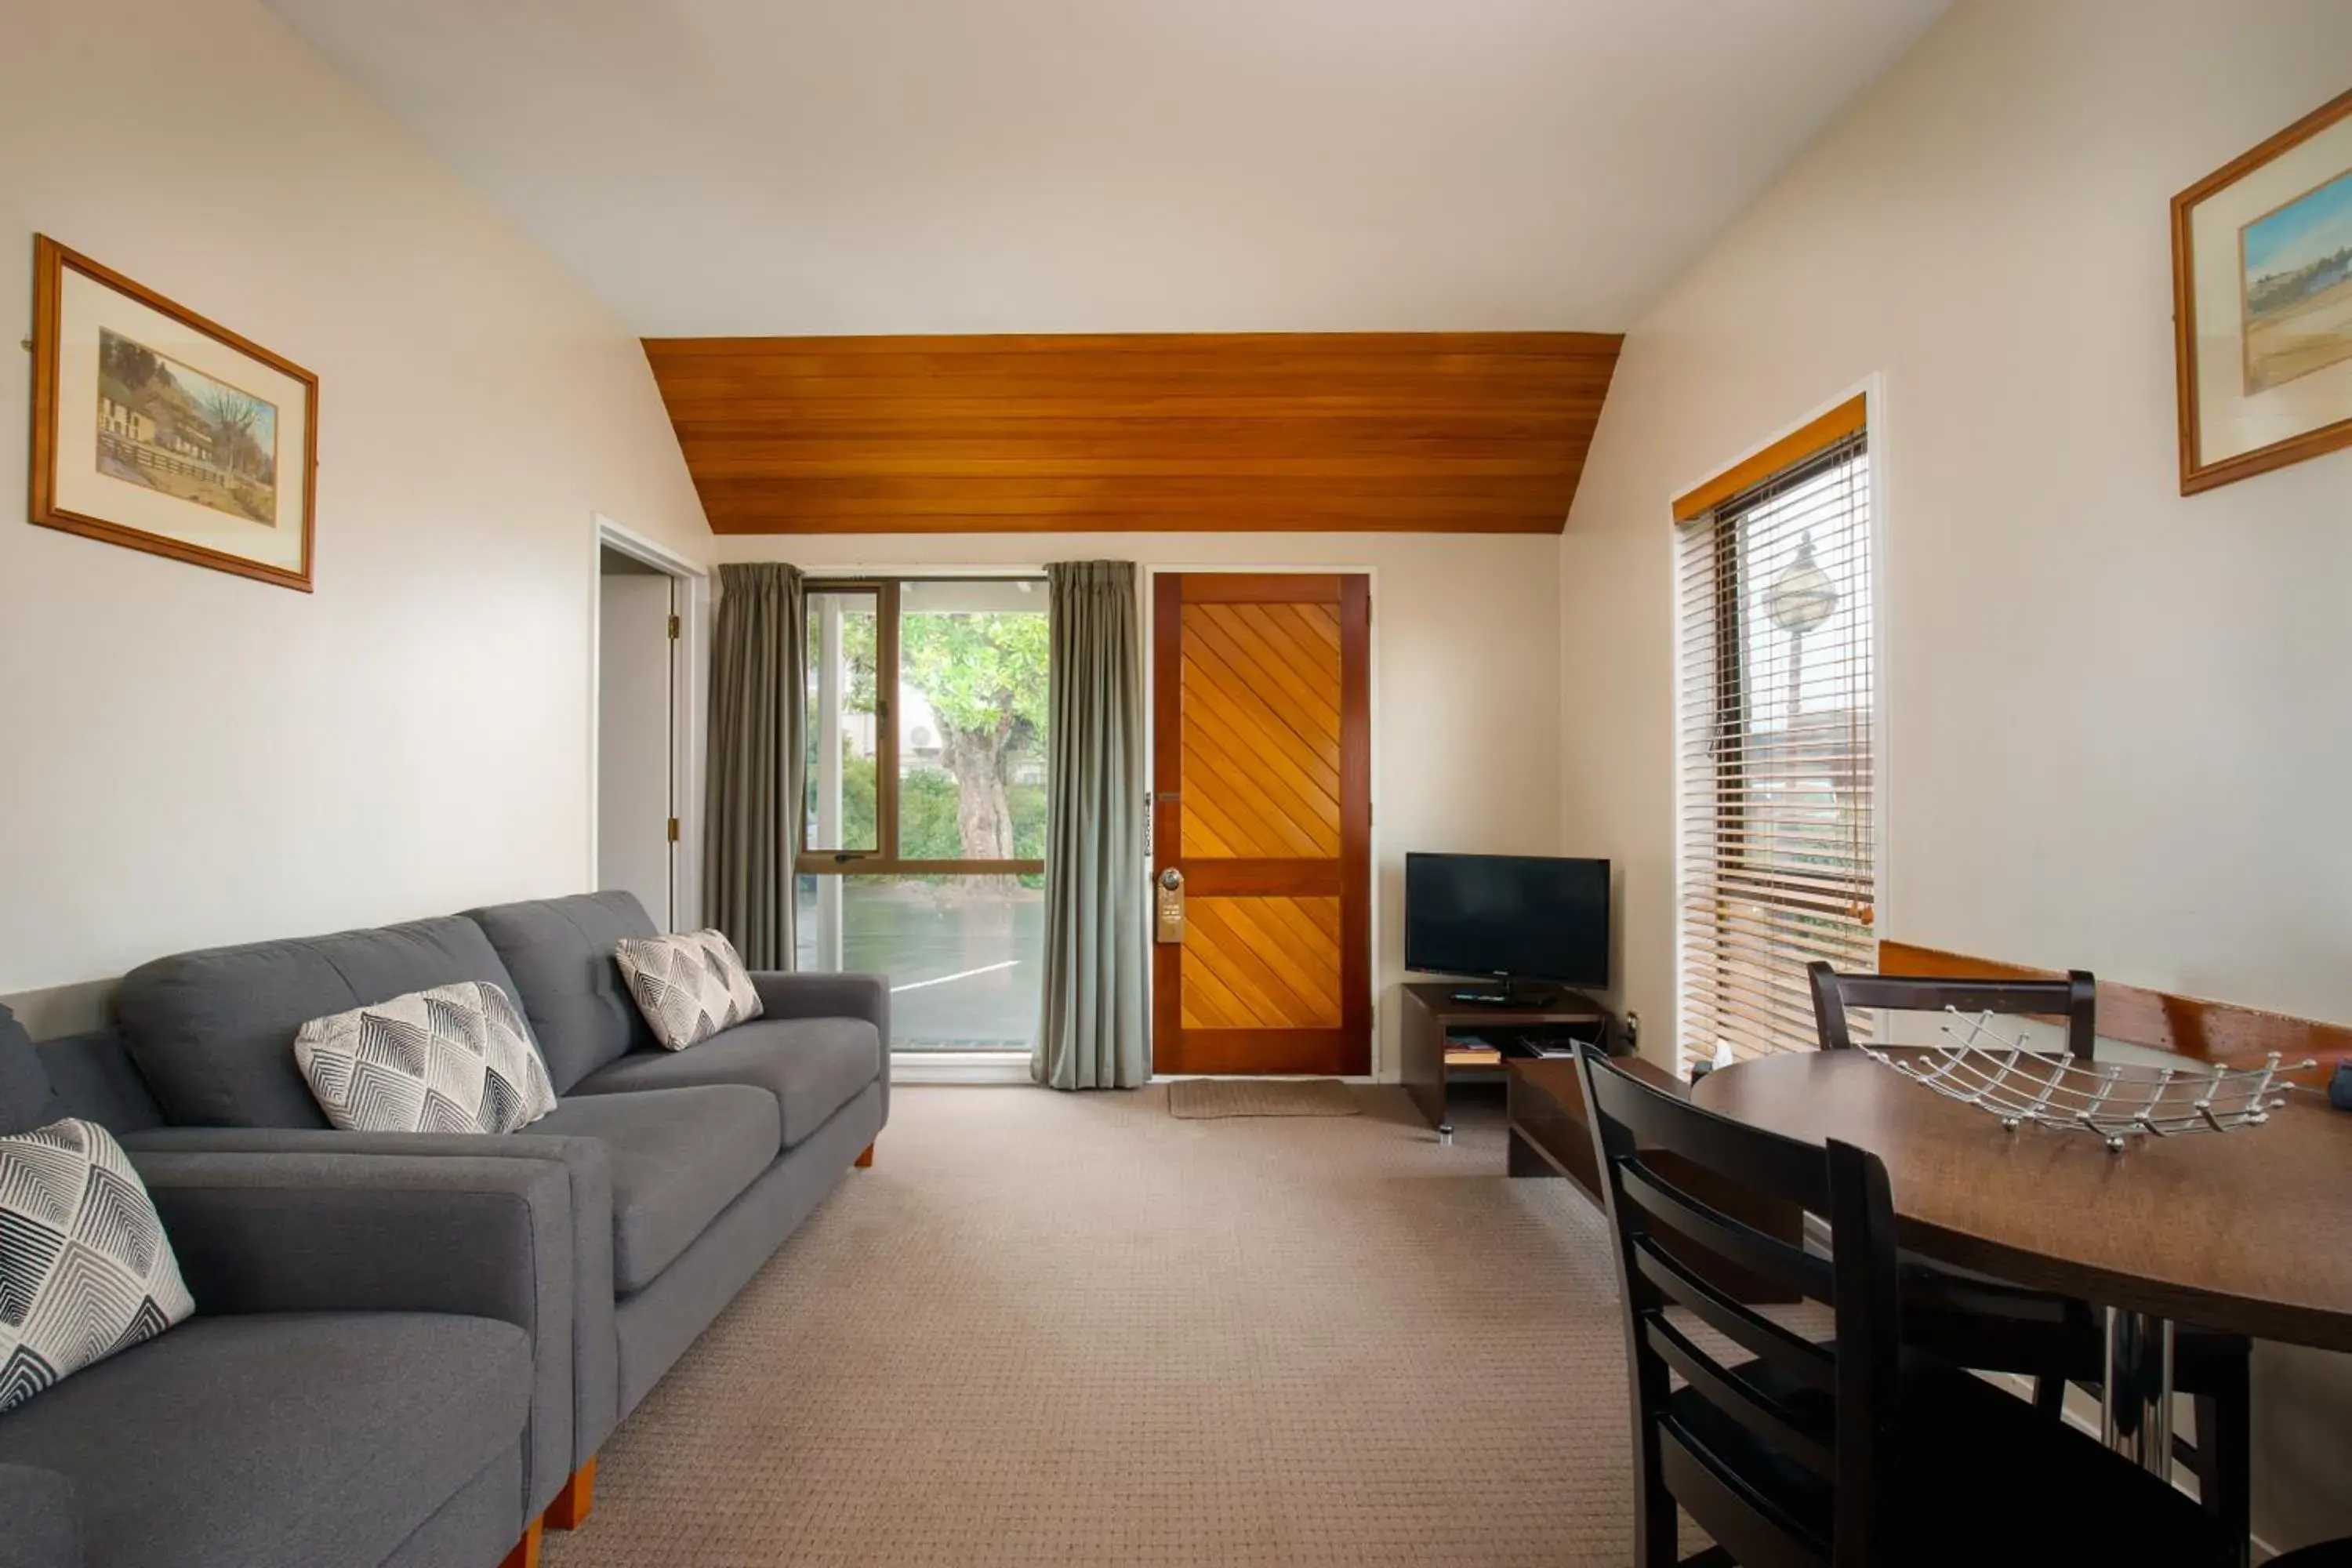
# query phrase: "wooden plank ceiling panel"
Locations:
[[1432, 432]]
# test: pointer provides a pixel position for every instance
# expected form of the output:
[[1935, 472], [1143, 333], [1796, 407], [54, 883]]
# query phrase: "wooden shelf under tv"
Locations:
[[1427, 1054]]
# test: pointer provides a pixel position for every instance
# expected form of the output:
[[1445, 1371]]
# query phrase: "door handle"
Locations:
[[1168, 913]]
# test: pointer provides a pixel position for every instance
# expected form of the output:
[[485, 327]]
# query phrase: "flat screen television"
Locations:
[[1515, 916]]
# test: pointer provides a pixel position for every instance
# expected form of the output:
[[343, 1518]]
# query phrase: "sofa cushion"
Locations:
[[678, 1157], [278, 1440], [456, 1059], [212, 1031], [26, 1099], [43, 1528], [85, 1268], [813, 1066], [689, 986], [95, 1080], [559, 952]]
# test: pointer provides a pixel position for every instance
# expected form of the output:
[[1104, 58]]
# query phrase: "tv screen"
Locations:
[[1529, 916]]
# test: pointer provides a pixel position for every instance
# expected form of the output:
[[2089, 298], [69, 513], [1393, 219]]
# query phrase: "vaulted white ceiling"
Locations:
[[804, 166]]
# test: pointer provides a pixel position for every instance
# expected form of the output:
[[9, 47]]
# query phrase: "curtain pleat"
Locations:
[[1094, 1029], [757, 695]]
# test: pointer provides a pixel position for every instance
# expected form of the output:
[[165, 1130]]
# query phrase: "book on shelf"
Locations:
[[1548, 1049]]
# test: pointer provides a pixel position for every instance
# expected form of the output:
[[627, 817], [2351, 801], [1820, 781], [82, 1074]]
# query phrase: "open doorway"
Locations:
[[636, 819], [644, 829]]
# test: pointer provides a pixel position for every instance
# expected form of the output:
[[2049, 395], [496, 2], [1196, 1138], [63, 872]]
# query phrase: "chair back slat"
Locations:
[[1744, 1326], [1755, 1531], [1741, 1422], [1810, 1442], [1769, 1257], [1749, 1156], [2074, 999]]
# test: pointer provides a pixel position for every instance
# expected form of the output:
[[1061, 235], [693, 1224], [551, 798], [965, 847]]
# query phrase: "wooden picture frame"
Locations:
[[2246, 406], [186, 440]]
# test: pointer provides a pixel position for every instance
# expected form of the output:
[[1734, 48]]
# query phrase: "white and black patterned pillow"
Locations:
[[85, 1268], [456, 1059], [688, 988]]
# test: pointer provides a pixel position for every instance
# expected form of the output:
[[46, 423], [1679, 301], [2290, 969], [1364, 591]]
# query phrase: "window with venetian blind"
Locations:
[[1778, 697]]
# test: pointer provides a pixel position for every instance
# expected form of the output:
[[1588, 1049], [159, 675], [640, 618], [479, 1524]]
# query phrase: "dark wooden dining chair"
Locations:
[[2327, 1554], [2054, 1339], [1858, 1452]]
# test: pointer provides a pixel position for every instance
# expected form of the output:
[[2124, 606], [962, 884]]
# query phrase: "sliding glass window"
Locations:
[[923, 837]]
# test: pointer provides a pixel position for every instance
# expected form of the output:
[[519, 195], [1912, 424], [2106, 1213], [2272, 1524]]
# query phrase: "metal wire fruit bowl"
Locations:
[[2111, 1101]]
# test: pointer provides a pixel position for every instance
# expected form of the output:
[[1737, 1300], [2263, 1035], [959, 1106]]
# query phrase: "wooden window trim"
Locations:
[[2155, 1020], [883, 861], [1848, 418], [863, 863]]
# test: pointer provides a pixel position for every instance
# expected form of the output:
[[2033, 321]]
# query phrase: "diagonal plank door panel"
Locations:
[[1263, 774]]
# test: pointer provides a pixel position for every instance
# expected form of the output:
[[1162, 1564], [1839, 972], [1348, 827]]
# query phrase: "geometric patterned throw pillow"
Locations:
[[85, 1268], [456, 1059], [688, 988]]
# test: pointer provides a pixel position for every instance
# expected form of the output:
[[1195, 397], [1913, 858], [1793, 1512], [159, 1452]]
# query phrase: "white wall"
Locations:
[[194, 758], [1465, 675], [2117, 717]]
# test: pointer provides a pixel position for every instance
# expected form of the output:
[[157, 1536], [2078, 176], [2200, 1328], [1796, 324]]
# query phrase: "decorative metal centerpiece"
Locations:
[[2111, 1101]]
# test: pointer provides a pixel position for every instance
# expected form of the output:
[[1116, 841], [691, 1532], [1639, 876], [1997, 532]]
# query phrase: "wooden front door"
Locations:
[[1262, 783]]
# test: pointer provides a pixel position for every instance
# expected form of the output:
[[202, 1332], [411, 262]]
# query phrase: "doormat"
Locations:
[[1208, 1098]]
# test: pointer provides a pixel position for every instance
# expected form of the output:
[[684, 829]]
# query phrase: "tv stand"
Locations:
[[1509, 996], [1433, 1014]]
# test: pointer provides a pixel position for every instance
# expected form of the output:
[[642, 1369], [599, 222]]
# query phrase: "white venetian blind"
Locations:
[[1778, 862]]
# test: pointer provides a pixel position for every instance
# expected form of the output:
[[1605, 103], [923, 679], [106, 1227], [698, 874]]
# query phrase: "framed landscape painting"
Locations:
[[155, 429], [2261, 276]]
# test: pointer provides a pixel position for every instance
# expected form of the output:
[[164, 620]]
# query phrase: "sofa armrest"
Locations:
[[39, 1525], [588, 1165], [369, 1233], [486, 1236], [814, 995], [823, 996]]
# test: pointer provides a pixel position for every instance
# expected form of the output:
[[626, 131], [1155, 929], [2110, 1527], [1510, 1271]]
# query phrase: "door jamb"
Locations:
[[689, 719], [1382, 1059]]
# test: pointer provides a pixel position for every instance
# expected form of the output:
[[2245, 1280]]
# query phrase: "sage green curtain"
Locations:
[[1093, 1032], [757, 698]]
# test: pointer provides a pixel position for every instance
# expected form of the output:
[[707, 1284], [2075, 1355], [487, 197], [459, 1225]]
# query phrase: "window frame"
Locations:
[[1854, 420], [884, 859]]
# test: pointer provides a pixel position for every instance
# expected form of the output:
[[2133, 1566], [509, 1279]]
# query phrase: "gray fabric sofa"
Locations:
[[355, 1385], [685, 1171]]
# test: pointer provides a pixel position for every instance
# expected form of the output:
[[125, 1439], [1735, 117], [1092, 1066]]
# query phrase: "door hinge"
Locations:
[[673, 628], [673, 830]]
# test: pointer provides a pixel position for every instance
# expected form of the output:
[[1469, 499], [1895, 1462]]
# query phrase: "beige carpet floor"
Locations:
[[1073, 1329]]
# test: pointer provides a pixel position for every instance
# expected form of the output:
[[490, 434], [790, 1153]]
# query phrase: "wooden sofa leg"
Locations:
[[526, 1550], [866, 1161], [569, 1509]]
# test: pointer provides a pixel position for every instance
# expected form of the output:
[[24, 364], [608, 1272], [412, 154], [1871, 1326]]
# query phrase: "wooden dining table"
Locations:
[[2247, 1231]]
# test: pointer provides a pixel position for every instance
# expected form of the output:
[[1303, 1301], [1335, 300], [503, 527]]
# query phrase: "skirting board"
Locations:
[[959, 1066]]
